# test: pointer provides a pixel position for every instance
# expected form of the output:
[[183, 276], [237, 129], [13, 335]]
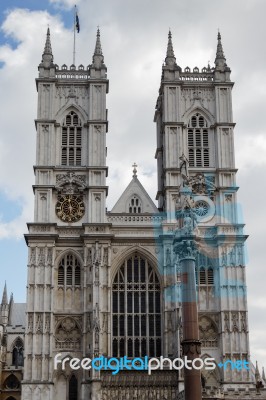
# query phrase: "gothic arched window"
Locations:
[[136, 308], [71, 140], [73, 388], [134, 206], [69, 271], [11, 382], [204, 270], [198, 142], [17, 354]]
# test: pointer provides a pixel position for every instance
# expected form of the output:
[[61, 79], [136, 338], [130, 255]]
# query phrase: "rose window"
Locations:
[[201, 208]]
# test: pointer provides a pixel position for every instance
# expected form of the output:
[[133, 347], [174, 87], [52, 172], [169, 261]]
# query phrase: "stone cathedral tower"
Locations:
[[195, 128], [107, 282], [70, 192]]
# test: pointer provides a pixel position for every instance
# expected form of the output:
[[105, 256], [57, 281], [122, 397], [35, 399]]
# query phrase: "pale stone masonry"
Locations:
[[108, 282]]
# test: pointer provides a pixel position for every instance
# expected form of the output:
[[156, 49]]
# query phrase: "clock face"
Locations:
[[70, 208]]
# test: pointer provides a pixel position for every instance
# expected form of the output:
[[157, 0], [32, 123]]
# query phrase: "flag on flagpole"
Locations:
[[77, 22]]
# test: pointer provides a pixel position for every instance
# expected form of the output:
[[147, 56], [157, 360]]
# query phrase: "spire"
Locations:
[[4, 298], [220, 60], [47, 57], [257, 373], [98, 46], [263, 375], [97, 59], [170, 55]]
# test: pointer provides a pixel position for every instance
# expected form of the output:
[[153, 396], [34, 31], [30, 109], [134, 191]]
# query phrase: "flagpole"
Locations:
[[74, 28]]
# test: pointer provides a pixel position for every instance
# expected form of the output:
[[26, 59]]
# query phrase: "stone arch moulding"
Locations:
[[201, 110], [15, 341], [215, 372], [66, 109], [116, 264], [67, 372], [65, 252]]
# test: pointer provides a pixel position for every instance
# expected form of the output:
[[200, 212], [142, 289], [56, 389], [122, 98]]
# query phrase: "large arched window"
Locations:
[[71, 140], [136, 308], [198, 142], [69, 271]]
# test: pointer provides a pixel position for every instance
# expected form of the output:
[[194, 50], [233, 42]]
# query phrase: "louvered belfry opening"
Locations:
[[198, 142], [71, 140]]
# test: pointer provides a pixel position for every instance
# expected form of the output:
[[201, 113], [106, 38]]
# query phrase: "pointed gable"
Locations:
[[134, 200]]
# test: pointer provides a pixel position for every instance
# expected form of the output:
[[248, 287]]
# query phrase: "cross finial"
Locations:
[[134, 170]]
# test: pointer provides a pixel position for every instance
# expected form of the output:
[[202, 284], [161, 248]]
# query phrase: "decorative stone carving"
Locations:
[[208, 332], [30, 323], [41, 257], [65, 91], [186, 249], [47, 324], [243, 322], [228, 198], [235, 322], [89, 322], [105, 322], [38, 323], [96, 327], [226, 322], [96, 276], [97, 128], [68, 334], [105, 256], [168, 257], [70, 183], [33, 255], [191, 347], [89, 257], [49, 256]]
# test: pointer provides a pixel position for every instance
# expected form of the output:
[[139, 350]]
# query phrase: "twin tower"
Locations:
[[108, 282]]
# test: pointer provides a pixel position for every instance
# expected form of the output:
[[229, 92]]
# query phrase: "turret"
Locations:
[[4, 307], [98, 69], [221, 71], [47, 67], [170, 68]]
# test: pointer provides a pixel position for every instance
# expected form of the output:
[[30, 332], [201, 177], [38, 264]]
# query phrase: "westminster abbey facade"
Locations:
[[108, 282]]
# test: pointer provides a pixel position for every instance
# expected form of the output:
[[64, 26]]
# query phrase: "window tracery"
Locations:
[[204, 271], [198, 142], [69, 271], [71, 140], [208, 332], [136, 307], [68, 334]]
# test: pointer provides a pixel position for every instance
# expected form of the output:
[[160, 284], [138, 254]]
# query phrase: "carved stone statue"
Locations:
[[184, 164]]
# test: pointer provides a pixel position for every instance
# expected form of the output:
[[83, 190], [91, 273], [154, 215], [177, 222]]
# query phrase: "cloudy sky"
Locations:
[[134, 38]]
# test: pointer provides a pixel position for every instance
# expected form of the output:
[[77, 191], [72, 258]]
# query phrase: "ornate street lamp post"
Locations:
[[186, 248]]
